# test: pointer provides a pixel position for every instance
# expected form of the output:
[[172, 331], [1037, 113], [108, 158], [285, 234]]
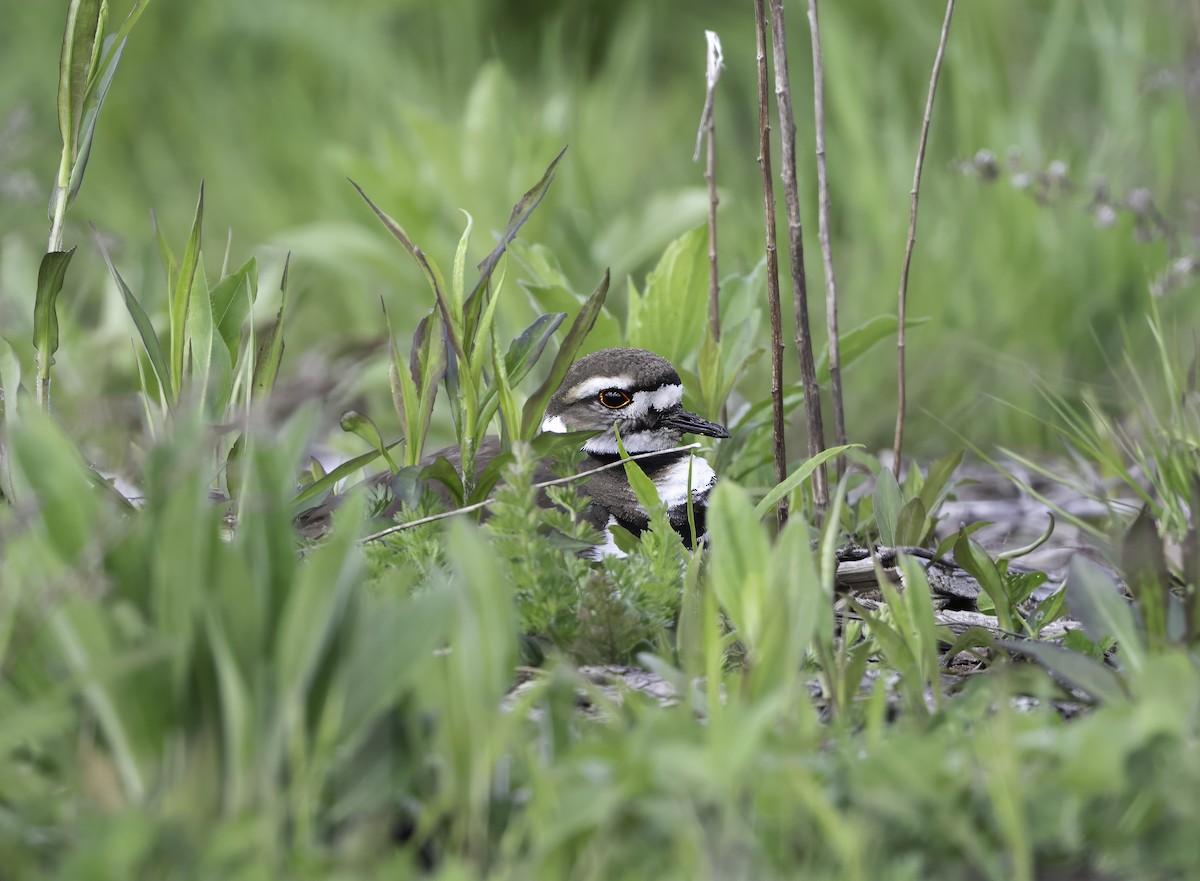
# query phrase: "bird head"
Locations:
[[631, 391]]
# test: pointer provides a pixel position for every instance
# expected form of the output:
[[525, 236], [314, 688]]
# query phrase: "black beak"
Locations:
[[690, 423]]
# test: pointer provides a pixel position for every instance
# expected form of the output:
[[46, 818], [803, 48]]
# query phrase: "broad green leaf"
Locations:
[[1083, 672], [796, 478], [740, 551], [232, 299], [270, 347], [316, 601], [51, 274], [48, 469], [1095, 600], [1144, 567], [855, 343], [886, 503], [535, 406], [77, 63], [969, 555], [180, 301], [441, 470], [145, 329], [670, 316], [798, 606], [910, 524]]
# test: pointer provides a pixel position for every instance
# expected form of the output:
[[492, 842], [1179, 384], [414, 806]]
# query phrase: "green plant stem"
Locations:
[[59, 212]]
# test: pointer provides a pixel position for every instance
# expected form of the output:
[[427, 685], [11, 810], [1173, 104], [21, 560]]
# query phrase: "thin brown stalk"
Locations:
[[791, 196], [831, 310], [558, 481], [902, 300], [707, 133], [764, 163]]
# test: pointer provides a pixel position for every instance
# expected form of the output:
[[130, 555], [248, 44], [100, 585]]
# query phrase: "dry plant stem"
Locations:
[[707, 132], [433, 518], [710, 177], [831, 312], [764, 163], [791, 196], [902, 300]]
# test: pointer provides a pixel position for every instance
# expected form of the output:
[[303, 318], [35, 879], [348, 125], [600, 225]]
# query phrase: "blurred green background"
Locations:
[[439, 106]]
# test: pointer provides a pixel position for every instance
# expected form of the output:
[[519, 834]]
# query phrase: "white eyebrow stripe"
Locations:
[[663, 398], [554, 425], [597, 384]]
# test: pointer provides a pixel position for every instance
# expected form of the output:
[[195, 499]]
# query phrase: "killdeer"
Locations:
[[630, 392], [638, 395]]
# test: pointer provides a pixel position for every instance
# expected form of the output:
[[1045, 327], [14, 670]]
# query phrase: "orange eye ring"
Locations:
[[614, 399]]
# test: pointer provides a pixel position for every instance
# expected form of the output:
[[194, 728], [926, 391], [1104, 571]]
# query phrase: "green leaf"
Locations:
[[670, 316], [10, 382], [796, 478], [232, 298], [910, 524], [525, 350], [521, 212], [740, 551], [51, 274], [201, 334], [444, 472], [51, 475], [180, 301], [270, 347], [947, 544], [317, 600], [536, 405], [855, 343], [354, 422], [642, 486], [432, 275], [328, 481], [886, 503], [937, 477], [975, 560], [1078, 669], [1095, 600], [145, 329], [77, 61], [457, 283]]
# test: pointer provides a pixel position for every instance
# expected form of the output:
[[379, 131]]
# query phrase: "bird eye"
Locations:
[[614, 399]]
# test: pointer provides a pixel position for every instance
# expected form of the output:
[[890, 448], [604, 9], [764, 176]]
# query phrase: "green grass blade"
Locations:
[[796, 478], [270, 347], [145, 329], [536, 404], [181, 298]]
